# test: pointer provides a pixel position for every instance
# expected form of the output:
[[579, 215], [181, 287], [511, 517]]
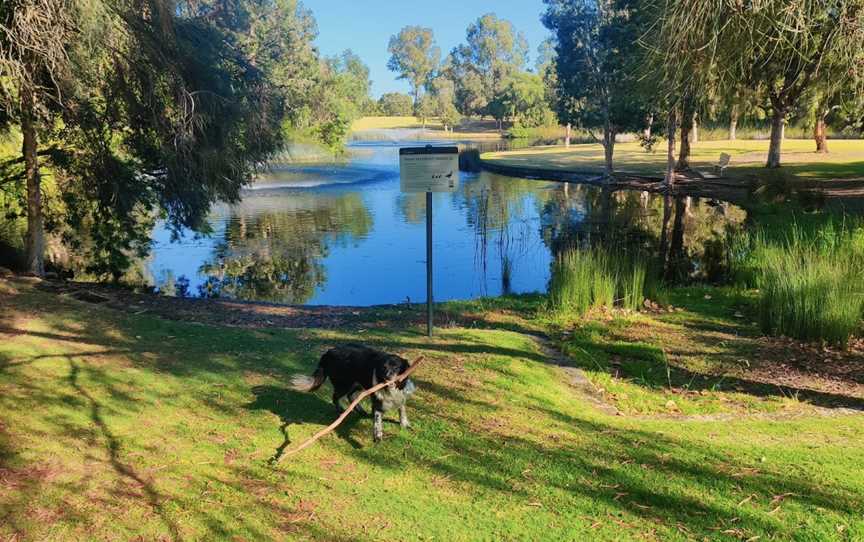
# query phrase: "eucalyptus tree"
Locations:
[[597, 67], [480, 68], [142, 109], [442, 93], [783, 47], [395, 104], [414, 55]]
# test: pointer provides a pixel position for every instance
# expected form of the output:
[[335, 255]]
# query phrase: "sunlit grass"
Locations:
[[117, 426], [846, 158]]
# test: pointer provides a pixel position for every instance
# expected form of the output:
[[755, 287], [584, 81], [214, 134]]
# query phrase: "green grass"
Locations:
[[809, 277], [116, 426], [846, 159]]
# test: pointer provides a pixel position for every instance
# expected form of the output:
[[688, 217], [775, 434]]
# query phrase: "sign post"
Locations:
[[429, 169]]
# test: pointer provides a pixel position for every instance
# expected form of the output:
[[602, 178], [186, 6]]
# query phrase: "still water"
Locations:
[[346, 235]]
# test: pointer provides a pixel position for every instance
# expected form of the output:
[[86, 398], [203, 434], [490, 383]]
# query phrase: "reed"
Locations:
[[584, 279], [810, 282]]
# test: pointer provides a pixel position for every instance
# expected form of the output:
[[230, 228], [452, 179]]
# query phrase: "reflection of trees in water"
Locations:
[[273, 247], [497, 210], [684, 236]]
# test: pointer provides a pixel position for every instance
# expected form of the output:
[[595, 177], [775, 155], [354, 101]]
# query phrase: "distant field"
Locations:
[[846, 159], [368, 128], [384, 123]]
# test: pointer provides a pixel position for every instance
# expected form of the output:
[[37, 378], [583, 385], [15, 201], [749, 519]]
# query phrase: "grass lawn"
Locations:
[[846, 159], [118, 426]]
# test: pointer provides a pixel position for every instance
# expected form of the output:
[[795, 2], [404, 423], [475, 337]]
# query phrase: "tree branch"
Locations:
[[330, 428]]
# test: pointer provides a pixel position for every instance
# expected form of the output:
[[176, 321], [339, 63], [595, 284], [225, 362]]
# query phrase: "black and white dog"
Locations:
[[353, 368]]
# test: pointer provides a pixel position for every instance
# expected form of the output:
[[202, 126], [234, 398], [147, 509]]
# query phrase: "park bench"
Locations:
[[721, 166]]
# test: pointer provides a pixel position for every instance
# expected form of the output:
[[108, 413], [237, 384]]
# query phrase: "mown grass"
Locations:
[[117, 426], [846, 159]]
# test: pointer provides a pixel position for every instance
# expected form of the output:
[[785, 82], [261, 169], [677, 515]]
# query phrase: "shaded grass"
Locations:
[[115, 426]]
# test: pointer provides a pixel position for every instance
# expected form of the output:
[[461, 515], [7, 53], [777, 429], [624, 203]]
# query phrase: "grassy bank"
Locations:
[[121, 425], [846, 159]]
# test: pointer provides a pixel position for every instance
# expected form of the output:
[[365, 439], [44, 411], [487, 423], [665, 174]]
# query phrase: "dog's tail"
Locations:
[[308, 383]]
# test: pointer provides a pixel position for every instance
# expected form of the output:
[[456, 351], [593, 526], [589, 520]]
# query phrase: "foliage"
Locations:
[[782, 48], [523, 101], [481, 67], [414, 55], [597, 66], [395, 104], [442, 93]]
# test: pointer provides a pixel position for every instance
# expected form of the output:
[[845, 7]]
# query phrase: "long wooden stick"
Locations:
[[402, 377]]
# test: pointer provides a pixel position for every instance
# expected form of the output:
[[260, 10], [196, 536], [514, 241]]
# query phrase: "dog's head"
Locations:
[[389, 368]]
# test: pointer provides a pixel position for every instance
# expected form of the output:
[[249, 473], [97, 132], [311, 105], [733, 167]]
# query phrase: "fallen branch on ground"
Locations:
[[401, 378]]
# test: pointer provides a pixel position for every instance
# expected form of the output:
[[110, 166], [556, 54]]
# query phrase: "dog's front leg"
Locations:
[[377, 425], [403, 417]]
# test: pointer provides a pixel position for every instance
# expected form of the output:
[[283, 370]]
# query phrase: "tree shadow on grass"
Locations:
[[298, 408], [641, 473]]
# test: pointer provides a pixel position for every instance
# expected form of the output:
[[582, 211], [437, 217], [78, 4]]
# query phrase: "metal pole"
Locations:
[[429, 263]]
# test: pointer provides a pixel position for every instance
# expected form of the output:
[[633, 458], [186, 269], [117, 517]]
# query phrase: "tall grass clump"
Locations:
[[810, 280], [591, 278]]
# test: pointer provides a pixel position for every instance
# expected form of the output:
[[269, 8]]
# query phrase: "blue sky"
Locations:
[[365, 26]]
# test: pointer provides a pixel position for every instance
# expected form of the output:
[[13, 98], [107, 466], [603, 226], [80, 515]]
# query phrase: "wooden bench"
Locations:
[[721, 166]]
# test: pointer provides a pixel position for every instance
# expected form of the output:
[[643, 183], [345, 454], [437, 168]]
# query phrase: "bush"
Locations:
[[592, 278]]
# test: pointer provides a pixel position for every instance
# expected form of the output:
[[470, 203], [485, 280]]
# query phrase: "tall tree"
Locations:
[[395, 104], [781, 46], [481, 67], [163, 117], [597, 66], [414, 55]]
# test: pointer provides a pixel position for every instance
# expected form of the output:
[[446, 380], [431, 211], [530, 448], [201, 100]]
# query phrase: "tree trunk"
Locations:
[[684, 152], [35, 230], [778, 123], [819, 134], [670, 153], [567, 134], [649, 122], [608, 149], [733, 123], [694, 131]]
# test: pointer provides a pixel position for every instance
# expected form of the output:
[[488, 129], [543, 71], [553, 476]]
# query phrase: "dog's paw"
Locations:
[[406, 425]]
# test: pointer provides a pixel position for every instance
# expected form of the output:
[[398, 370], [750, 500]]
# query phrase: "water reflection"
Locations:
[[346, 235], [273, 247]]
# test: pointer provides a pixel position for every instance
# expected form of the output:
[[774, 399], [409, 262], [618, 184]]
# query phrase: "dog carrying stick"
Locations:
[[402, 377]]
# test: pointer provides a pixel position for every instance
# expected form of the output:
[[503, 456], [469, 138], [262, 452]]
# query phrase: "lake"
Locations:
[[344, 234]]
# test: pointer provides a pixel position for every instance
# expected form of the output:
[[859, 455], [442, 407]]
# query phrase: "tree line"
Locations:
[[485, 76], [626, 65]]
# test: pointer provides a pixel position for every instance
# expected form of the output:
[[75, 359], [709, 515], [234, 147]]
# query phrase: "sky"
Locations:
[[365, 26]]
